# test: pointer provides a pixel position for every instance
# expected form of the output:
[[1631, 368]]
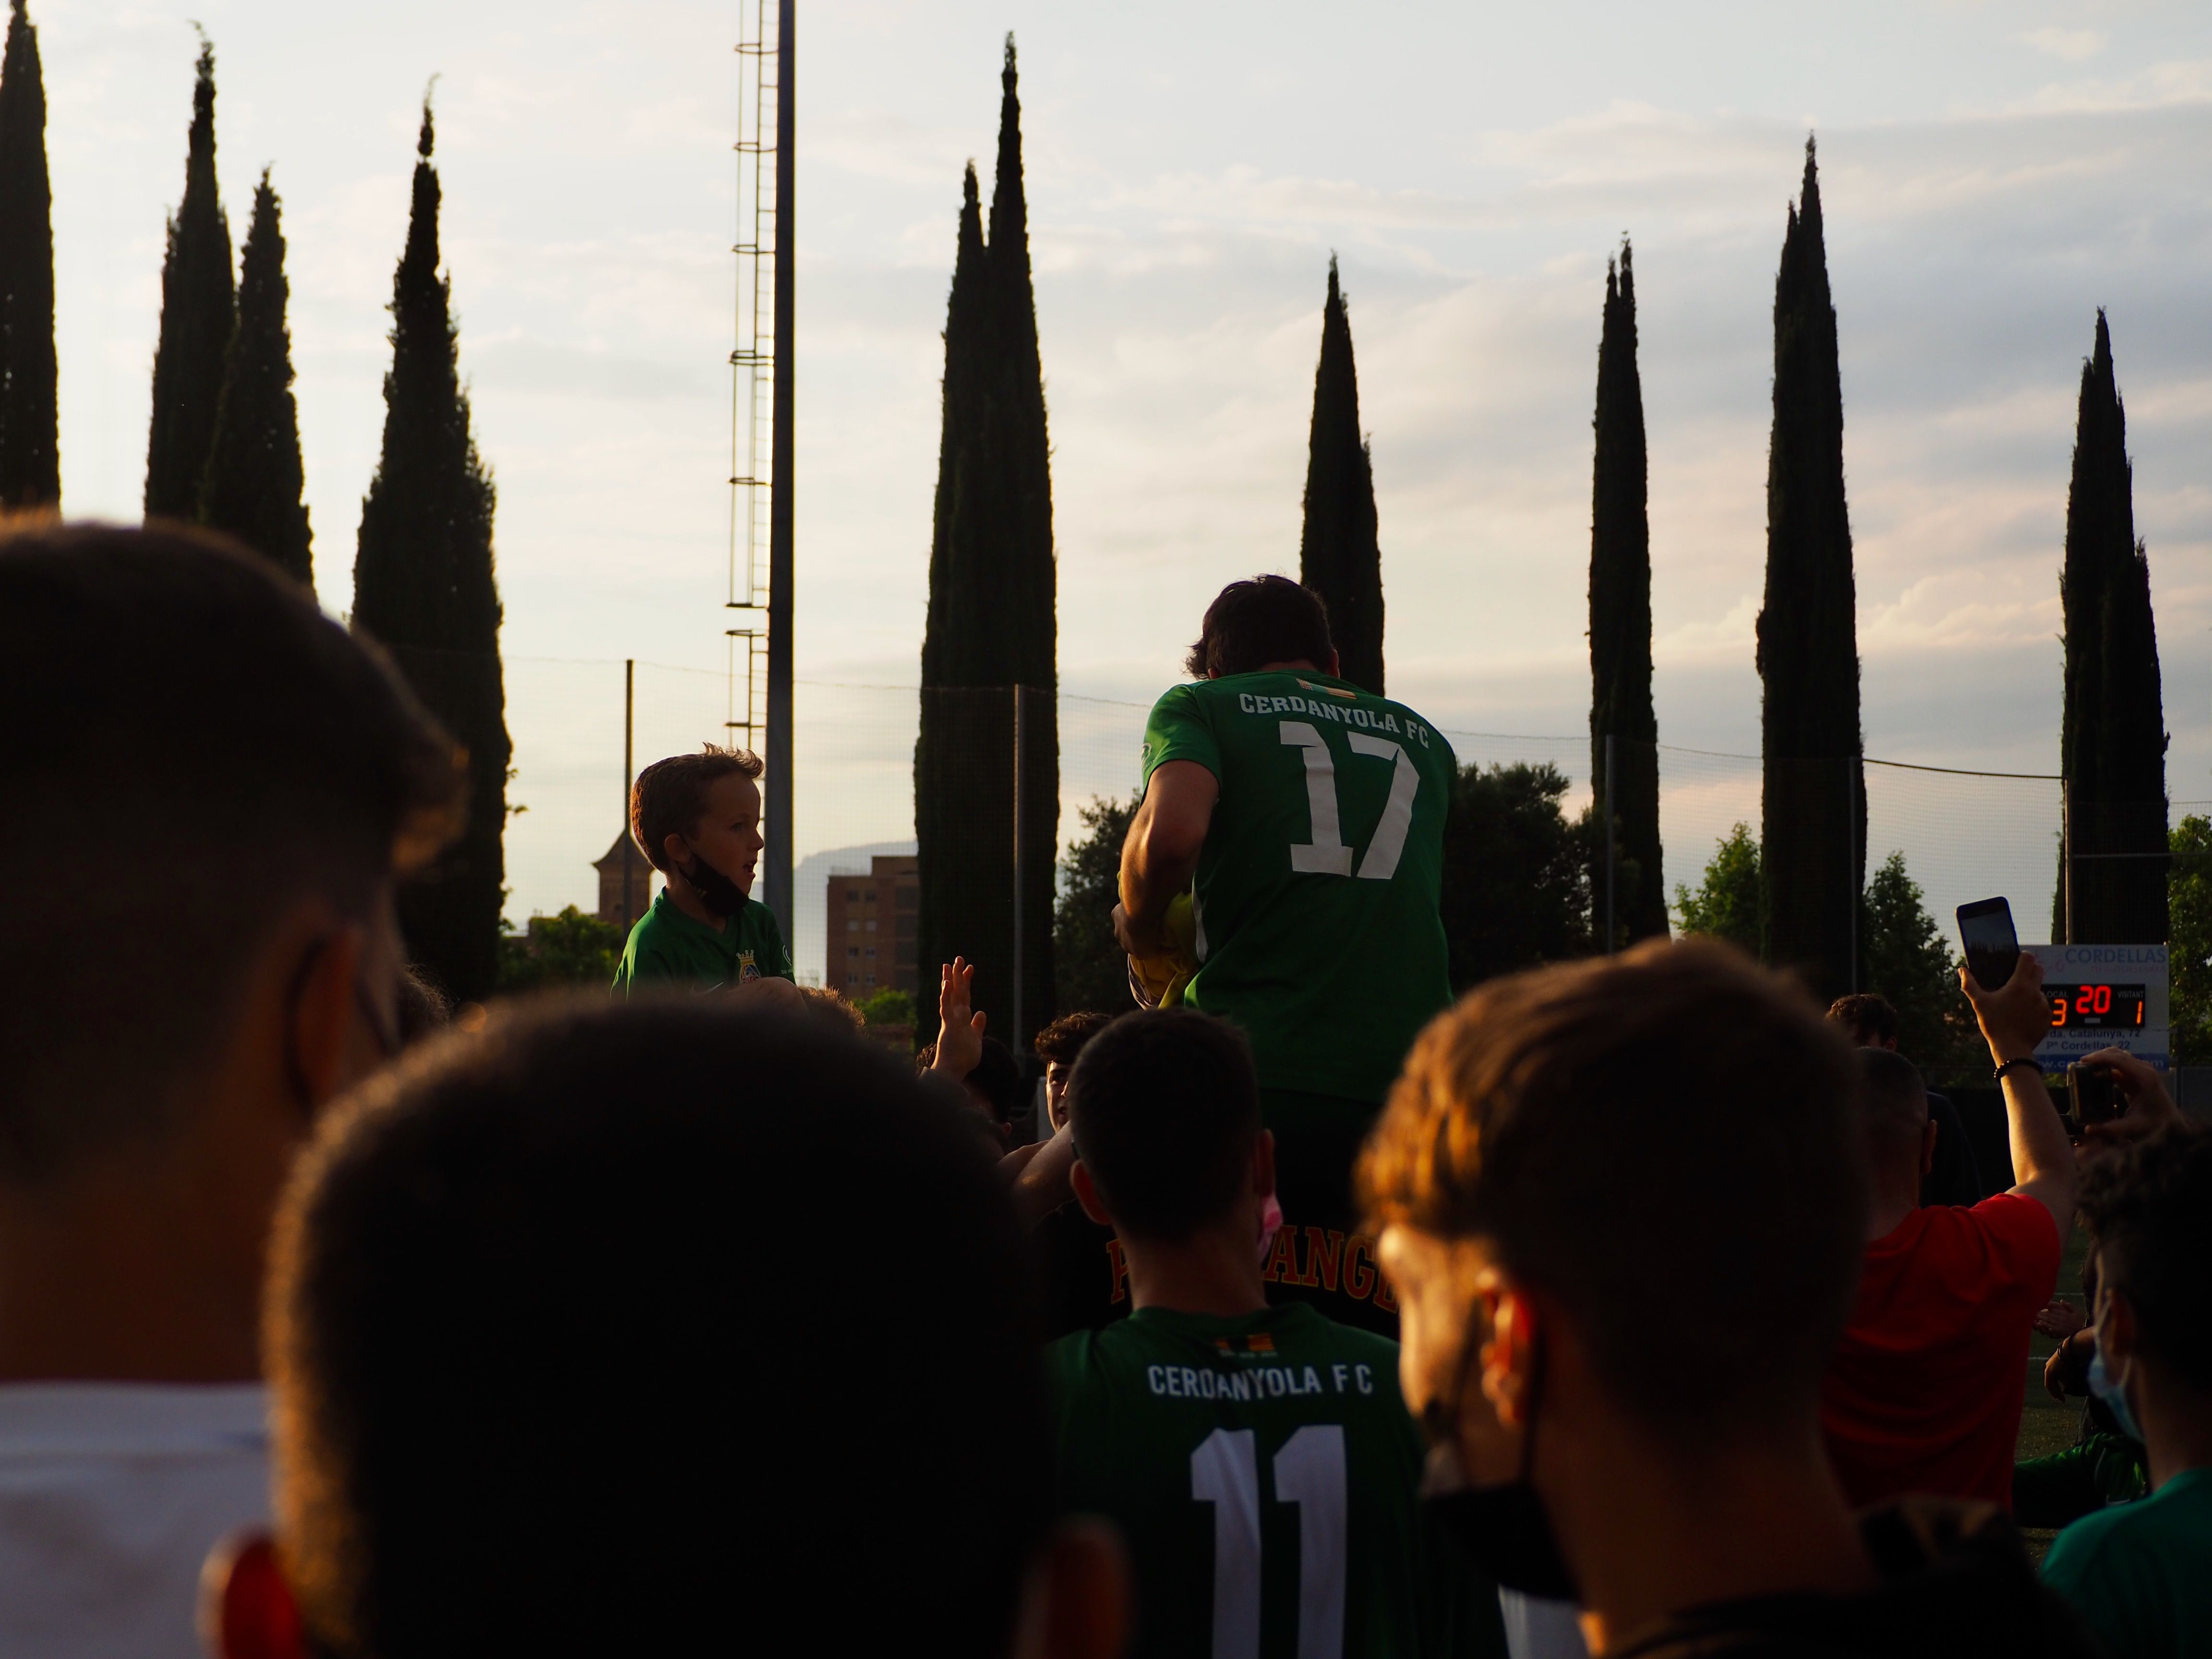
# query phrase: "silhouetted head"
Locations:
[[1870, 1021], [1165, 1105], [569, 1355], [207, 788], [1673, 1126], [1252, 623]]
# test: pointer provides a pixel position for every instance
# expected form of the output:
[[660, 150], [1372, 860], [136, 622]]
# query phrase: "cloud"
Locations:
[[2074, 45], [557, 369]]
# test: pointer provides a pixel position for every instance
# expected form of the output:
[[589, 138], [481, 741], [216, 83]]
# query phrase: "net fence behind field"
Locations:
[[1964, 834]]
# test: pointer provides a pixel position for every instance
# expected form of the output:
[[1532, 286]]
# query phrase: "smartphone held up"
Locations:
[[1992, 947]]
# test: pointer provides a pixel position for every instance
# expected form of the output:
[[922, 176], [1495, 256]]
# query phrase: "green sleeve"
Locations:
[[1178, 729]]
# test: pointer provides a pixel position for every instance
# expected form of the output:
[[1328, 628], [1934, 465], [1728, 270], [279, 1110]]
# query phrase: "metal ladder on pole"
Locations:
[[752, 370]]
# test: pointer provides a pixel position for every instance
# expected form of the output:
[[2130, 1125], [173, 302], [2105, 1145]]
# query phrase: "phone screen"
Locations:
[[1992, 948]]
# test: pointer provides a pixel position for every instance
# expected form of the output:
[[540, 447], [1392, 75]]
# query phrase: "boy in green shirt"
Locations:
[[698, 818], [1259, 1461], [2140, 1572]]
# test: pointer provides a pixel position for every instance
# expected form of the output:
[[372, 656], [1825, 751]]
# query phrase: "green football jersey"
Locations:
[[668, 946], [1263, 1471], [1318, 890]]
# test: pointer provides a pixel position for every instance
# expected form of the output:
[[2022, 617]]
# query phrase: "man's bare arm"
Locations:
[[1039, 1182], [2013, 1019], [1161, 854]]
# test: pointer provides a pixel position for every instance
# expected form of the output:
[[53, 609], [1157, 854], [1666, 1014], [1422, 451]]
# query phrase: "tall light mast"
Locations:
[[760, 426]]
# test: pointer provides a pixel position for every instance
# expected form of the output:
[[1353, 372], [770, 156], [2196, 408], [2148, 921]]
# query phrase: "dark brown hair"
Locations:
[[1673, 1128], [201, 748], [1165, 1104], [1866, 1017], [670, 796], [523, 1355], [1252, 623], [1059, 1043]]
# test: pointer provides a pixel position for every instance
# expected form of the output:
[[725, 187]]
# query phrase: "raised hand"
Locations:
[[2016, 1016], [2149, 1107], [959, 1026], [2059, 1318]]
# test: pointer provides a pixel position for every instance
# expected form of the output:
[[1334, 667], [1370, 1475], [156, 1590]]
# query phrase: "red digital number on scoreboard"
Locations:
[[2095, 1006]]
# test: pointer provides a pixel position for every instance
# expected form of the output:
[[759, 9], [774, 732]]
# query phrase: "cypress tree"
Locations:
[[30, 443], [253, 478], [1812, 834], [198, 309], [1338, 554], [1620, 620], [2113, 741], [423, 587], [992, 624]]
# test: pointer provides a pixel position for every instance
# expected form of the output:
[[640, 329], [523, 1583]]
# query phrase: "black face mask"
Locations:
[[722, 896], [1502, 1529]]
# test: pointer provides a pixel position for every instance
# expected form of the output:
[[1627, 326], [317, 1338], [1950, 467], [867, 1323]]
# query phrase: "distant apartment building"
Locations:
[[870, 932]]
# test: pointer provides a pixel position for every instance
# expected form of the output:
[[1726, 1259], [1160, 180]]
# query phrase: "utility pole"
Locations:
[[779, 756], [629, 775]]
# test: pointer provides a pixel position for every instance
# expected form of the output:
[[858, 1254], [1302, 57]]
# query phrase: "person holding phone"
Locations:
[[1923, 1394]]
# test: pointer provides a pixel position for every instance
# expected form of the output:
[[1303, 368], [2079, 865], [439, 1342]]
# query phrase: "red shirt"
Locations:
[[1925, 1392]]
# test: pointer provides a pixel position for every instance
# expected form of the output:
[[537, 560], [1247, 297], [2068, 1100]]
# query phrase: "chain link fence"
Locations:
[[1964, 834]]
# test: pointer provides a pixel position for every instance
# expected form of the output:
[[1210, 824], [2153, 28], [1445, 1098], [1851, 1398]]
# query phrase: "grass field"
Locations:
[[2046, 1426]]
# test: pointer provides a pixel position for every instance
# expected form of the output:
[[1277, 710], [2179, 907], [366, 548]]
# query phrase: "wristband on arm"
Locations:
[[1997, 1075]]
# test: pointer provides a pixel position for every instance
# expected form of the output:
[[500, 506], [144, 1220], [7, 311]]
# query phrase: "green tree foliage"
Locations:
[[2112, 740], [1620, 619], [889, 1006], [198, 309], [1093, 972], [2189, 945], [253, 481], [1813, 832], [992, 624], [1517, 873], [572, 948], [1904, 955], [1725, 904], [1339, 556], [30, 443], [424, 588]]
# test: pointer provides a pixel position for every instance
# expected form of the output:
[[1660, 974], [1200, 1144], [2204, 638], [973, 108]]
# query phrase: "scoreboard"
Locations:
[[2103, 996], [2099, 1007]]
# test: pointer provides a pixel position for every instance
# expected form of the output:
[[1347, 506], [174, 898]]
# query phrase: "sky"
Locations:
[[1991, 174]]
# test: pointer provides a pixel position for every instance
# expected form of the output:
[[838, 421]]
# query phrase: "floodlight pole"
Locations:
[[779, 756]]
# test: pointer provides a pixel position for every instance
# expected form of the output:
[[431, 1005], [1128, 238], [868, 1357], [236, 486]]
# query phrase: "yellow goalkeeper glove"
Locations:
[[1158, 981]]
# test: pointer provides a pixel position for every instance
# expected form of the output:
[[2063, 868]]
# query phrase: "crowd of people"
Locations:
[[1626, 1306]]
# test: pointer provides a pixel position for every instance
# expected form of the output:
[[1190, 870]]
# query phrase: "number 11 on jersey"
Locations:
[[1225, 1472]]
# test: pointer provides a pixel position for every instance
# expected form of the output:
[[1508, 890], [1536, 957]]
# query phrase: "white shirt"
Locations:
[[110, 1496]]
